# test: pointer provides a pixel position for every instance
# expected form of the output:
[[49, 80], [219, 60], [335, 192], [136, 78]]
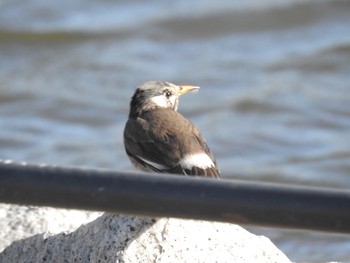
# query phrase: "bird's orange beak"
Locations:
[[184, 89]]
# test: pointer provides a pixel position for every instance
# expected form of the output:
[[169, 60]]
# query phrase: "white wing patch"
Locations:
[[201, 160], [155, 165]]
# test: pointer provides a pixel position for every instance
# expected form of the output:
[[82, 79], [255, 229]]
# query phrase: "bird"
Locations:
[[157, 138]]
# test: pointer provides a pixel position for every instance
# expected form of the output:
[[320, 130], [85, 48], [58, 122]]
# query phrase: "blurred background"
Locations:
[[274, 103]]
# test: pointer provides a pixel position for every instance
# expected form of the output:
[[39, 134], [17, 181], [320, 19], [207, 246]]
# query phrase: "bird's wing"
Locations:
[[206, 164], [157, 154], [202, 142]]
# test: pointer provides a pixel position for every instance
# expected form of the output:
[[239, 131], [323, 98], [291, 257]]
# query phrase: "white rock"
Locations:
[[118, 238], [17, 222]]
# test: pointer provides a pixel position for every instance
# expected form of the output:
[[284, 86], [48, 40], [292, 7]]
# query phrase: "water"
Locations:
[[274, 103]]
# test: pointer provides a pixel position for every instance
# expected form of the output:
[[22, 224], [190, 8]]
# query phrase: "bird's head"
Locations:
[[157, 94]]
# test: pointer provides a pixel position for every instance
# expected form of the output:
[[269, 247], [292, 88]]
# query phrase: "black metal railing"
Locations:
[[163, 195]]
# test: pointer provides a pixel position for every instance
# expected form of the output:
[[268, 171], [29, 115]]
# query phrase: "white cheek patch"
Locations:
[[160, 100], [173, 100], [200, 160]]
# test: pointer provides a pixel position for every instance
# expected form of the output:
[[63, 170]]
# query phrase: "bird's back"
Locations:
[[162, 140]]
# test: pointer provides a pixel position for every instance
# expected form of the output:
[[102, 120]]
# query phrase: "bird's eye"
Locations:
[[167, 93]]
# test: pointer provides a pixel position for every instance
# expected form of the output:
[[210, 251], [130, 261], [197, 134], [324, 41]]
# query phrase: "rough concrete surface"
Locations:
[[17, 222], [119, 238]]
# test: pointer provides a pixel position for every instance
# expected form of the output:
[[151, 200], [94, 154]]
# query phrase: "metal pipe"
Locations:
[[163, 195]]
